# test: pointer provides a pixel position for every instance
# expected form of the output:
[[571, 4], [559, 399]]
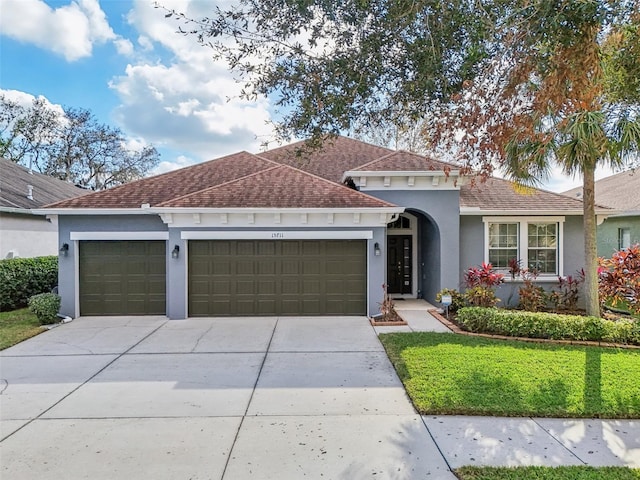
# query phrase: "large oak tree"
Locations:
[[512, 84], [70, 145]]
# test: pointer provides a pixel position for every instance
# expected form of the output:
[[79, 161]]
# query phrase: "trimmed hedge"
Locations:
[[45, 306], [22, 278], [515, 323]]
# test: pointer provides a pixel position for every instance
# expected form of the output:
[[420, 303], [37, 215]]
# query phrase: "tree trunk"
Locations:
[[592, 302]]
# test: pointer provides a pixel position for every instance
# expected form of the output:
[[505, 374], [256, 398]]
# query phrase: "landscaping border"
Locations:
[[456, 329]]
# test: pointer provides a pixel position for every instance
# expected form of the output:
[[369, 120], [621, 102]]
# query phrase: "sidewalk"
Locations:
[[500, 441]]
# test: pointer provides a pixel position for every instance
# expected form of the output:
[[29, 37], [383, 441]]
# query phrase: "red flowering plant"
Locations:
[[481, 282], [568, 292], [619, 279]]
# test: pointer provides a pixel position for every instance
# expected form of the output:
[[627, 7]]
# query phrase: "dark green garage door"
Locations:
[[122, 277], [287, 277]]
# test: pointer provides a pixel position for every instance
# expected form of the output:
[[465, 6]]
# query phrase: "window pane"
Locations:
[[503, 235], [542, 235], [503, 244], [624, 238], [543, 260], [499, 258]]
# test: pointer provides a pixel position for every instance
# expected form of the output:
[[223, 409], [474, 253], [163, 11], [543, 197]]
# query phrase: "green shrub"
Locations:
[[21, 278], [457, 298], [481, 296], [45, 306], [548, 325]]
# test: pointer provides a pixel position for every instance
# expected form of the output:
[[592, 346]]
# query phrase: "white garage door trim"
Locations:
[[278, 235], [119, 236]]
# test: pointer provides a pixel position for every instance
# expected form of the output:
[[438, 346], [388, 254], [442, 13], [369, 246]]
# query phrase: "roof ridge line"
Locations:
[[335, 184], [402, 150], [153, 177], [221, 184]]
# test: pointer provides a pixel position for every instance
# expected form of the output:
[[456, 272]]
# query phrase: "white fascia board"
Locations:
[[517, 213], [399, 173], [528, 218], [93, 211], [277, 235], [247, 210], [119, 236], [23, 211]]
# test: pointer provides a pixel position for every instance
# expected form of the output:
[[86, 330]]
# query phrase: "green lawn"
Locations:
[[547, 473], [17, 326], [455, 374]]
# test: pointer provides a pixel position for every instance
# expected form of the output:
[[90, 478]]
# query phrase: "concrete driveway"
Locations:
[[281, 398]]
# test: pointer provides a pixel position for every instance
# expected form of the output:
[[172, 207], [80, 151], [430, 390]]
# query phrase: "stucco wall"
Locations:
[[440, 235], [176, 268], [608, 233], [27, 235], [67, 265], [472, 253]]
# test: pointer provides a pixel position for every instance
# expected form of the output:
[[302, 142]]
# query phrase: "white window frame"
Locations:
[[523, 241], [624, 238]]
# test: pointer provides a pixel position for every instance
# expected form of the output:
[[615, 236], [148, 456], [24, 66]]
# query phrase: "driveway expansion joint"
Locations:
[[253, 391]]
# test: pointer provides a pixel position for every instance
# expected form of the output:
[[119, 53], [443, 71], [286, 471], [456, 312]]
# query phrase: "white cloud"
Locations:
[[26, 100], [124, 47], [180, 162], [71, 30], [176, 96]]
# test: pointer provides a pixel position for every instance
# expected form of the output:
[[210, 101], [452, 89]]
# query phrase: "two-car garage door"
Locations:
[[283, 277], [226, 277]]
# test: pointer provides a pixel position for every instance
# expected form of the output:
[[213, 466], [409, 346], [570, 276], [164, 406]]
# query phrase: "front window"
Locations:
[[542, 239], [503, 244], [401, 223], [535, 241], [624, 238]]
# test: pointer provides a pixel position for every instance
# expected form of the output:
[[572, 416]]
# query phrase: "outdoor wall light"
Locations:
[[175, 253], [376, 249], [64, 249]]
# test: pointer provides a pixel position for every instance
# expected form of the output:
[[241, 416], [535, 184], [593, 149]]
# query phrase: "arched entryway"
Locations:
[[413, 256]]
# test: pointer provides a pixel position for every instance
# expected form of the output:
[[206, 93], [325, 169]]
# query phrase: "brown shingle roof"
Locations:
[[178, 183], [405, 161], [278, 187], [498, 194], [262, 181], [620, 191], [336, 156], [15, 178]]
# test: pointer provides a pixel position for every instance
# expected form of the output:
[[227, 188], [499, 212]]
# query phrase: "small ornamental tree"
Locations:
[[619, 278], [481, 282]]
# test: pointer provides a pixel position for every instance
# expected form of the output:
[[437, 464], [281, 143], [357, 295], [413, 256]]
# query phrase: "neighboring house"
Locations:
[[24, 233], [621, 193], [278, 233]]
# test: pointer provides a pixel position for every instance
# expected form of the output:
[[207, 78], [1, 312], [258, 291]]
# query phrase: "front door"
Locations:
[[399, 264]]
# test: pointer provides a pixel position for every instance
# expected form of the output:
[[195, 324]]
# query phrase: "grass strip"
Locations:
[[16, 326], [547, 473], [458, 375]]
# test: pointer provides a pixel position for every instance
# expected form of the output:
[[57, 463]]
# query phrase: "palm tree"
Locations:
[[577, 143], [562, 89]]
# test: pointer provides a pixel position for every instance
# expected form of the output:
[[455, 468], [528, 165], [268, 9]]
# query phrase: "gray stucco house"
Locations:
[[621, 193], [24, 233], [280, 233]]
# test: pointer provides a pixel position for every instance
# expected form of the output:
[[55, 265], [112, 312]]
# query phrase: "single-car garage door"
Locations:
[[122, 277], [284, 277]]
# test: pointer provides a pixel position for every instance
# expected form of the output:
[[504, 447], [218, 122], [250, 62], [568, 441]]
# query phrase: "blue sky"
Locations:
[[124, 61]]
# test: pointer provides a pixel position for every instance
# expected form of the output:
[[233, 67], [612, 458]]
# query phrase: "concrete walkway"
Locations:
[[281, 398], [465, 440], [265, 398]]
